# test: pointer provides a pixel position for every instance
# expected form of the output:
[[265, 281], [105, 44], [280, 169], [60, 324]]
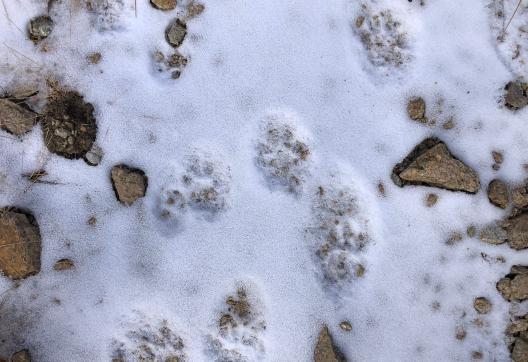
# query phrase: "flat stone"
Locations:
[[493, 234], [517, 230], [164, 4], [20, 244], [129, 183], [325, 350], [176, 32], [431, 164], [16, 119], [520, 197], [516, 97], [514, 286], [63, 264], [498, 194], [40, 27]]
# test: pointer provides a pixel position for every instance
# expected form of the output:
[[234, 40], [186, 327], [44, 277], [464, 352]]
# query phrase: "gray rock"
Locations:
[[16, 119], [517, 230], [498, 193], [431, 164], [176, 32], [493, 234], [516, 97], [40, 27]]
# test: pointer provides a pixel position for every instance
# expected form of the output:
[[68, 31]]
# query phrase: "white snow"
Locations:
[[247, 60]]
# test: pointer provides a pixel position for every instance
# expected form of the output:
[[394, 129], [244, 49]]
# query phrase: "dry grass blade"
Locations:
[[513, 15]]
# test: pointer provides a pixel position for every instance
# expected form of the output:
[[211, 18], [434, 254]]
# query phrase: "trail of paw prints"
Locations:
[[147, 339], [239, 330], [509, 24], [283, 152], [203, 188], [383, 37], [338, 234]]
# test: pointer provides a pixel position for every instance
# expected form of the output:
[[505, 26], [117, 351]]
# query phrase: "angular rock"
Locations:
[[69, 125], [514, 286], [129, 183], [498, 194], [176, 32], [164, 4], [520, 350], [346, 326], [21, 356], [194, 9], [16, 118], [325, 350], [493, 234], [40, 28], [416, 109], [520, 197], [482, 305], [431, 164], [517, 231], [20, 244], [516, 97]]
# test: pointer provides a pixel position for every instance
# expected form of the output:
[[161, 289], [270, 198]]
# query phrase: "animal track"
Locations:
[[283, 152], [240, 326]]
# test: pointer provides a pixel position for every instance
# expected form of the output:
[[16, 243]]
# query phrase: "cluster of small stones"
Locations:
[[205, 187], [240, 324], [383, 37], [340, 234], [149, 343], [417, 111], [175, 34], [282, 154]]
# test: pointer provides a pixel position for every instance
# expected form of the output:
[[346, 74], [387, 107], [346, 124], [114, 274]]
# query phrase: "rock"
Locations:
[[21, 356], [520, 325], [416, 109], [514, 286], [194, 9], [517, 231], [520, 197], [129, 183], [176, 32], [497, 157], [498, 193], [69, 124], [20, 243], [482, 305], [325, 351], [40, 28], [63, 264], [493, 234], [95, 58], [164, 4], [431, 164], [431, 200], [471, 231], [94, 156], [516, 97], [16, 118], [520, 350], [346, 326]]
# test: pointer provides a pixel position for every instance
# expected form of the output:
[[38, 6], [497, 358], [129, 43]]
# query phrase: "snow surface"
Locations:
[[249, 59]]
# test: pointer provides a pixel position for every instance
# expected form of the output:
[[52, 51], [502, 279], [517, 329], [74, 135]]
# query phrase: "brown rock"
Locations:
[[176, 32], [497, 157], [21, 356], [520, 197], [69, 128], [431, 164], [518, 326], [493, 234], [20, 243], [514, 286], [346, 326], [498, 193], [431, 200], [16, 118], [194, 9], [516, 97], [482, 305], [325, 351], [129, 183], [63, 264], [520, 350], [517, 231], [95, 58], [164, 4], [416, 109], [40, 28]]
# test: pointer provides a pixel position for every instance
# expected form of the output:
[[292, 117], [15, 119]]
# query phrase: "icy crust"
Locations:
[[148, 340], [238, 336], [339, 233], [509, 24], [283, 152], [383, 36]]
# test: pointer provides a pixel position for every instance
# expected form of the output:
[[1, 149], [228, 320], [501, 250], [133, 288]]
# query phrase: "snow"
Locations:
[[302, 61]]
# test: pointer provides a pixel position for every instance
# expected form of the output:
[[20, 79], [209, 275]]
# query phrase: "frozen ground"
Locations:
[[285, 112]]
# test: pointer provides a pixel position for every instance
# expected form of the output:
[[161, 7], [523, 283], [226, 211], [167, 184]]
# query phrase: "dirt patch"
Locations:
[[69, 125]]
